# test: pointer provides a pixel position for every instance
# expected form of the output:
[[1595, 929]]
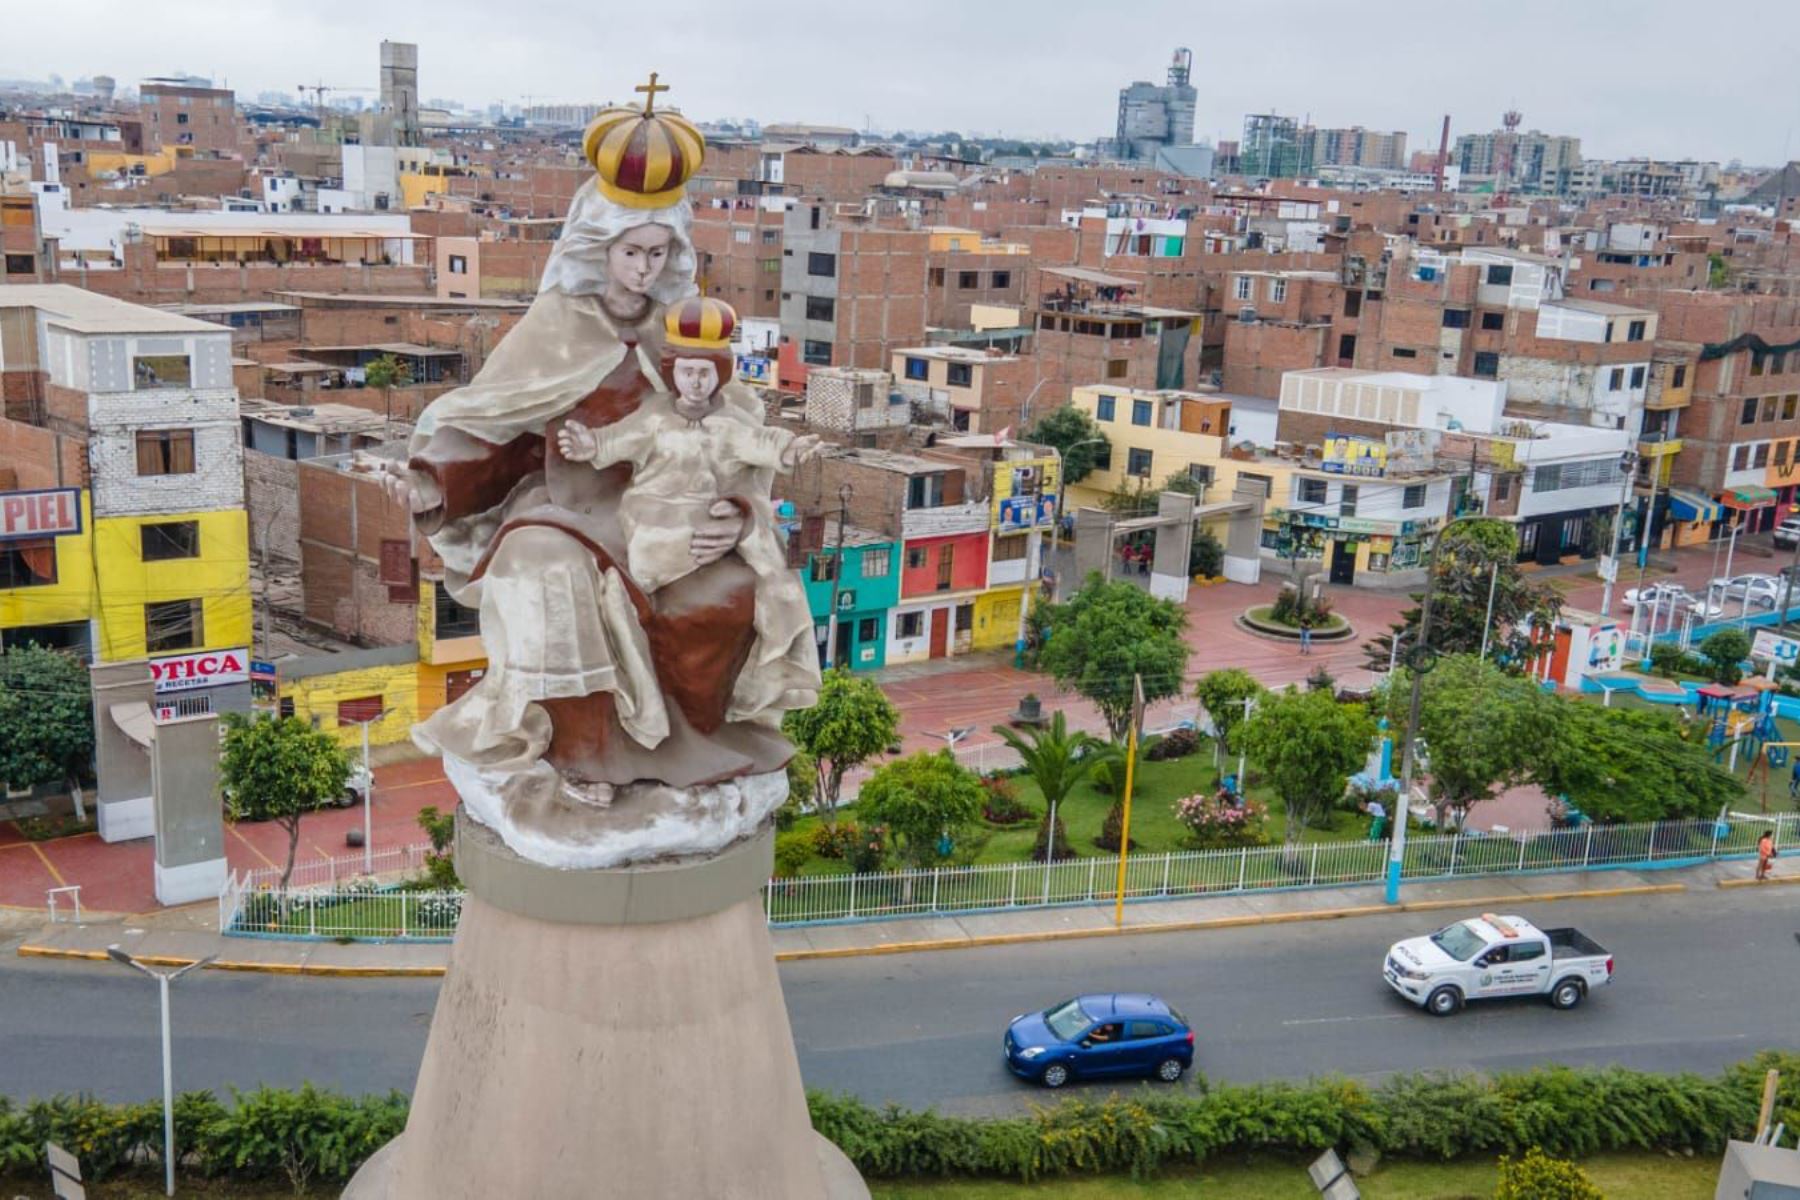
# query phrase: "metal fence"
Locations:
[[364, 909]]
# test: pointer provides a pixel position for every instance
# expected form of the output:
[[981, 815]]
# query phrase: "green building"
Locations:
[[866, 591]]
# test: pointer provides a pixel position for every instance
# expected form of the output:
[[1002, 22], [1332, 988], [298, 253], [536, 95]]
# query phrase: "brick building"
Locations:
[[180, 115], [851, 291]]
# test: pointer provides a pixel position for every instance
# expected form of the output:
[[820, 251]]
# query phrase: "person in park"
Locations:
[[1765, 855]]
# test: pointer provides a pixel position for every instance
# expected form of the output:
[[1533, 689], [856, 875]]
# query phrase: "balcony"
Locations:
[[1659, 448], [945, 520]]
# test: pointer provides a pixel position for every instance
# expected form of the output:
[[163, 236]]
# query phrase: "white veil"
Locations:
[[577, 264]]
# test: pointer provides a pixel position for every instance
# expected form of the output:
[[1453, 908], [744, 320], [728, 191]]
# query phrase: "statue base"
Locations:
[[609, 1033]]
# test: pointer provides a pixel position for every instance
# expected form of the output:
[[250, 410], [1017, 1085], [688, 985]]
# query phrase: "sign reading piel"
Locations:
[[48, 513], [201, 669]]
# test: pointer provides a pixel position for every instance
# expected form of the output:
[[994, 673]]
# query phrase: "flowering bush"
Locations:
[[868, 850], [1000, 803], [1214, 822]]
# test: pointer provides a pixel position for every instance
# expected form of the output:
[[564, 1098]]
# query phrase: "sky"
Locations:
[[1648, 78]]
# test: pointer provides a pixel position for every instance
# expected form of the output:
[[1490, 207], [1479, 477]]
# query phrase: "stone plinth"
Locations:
[[609, 1033]]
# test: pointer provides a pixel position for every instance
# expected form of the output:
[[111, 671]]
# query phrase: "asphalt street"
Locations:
[[1703, 980]]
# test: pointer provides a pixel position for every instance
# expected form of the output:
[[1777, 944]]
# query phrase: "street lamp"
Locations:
[[368, 793], [163, 980]]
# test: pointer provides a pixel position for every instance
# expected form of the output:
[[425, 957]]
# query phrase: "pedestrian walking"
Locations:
[[1306, 639], [1765, 855]]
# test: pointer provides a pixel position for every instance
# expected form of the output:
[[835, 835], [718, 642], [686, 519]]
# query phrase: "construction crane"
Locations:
[[319, 89]]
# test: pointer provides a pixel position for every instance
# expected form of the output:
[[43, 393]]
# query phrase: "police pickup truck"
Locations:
[[1491, 956]]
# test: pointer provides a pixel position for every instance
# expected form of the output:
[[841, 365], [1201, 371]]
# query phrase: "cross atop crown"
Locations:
[[650, 89]]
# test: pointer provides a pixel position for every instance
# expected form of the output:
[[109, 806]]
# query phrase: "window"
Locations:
[[865, 395], [740, 236], [1757, 365], [1760, 459], [27, 563], [1103, 456], [1103, 407], [20, 264], [161, 371], [1456, 318], [820, 308], [1499, 275], [1768, 409], [1242, 287], [1117, 368], [1502, 488], [359, 711], [770, 236], [1010, 548], [824, 265], [1413, 496], [181, 118], [935, 277], [925, 491], [165, 452], [459, 264], [1635, 331], [968, 280], [1405, 352], [1616, 381], [450, 619], [1267, 483], [173, 625], [1789, 403], [1137, 462], [1680, 376], [915, 558], [1277, 291], [817, 354], [1140, 412], [1312, 491], [1492, 321], [1746, 417], [918, 368], [946, 567], [965, 618], [960, 375], [1353, 304], [1487, 364], [867, 630], [1347, 346], [910, 625], [1001, 279], [823, 568], [1347, 500], [170, 539], [1591, 472], [1140, 1030], [1200, 473], [1526, 951]]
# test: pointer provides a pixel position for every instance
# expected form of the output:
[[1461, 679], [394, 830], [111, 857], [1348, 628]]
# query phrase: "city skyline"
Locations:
[[1017, 72]]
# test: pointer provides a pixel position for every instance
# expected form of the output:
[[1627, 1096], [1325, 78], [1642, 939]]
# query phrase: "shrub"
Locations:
[[868, 848], [1725, 652], [1000, 803], [440, 861], [834, 841], [1061, 846], [1177, 743], [792, 852], [1206, 556], [1669, 660], [1111, 827], [1540, 1177], [1215, 823], [1321, 680]]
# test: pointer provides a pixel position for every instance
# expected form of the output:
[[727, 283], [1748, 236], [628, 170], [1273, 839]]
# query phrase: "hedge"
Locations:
[[312, 1135]]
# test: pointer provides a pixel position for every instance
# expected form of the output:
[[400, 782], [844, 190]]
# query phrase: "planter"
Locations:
[[1256, 620], [353, 838]]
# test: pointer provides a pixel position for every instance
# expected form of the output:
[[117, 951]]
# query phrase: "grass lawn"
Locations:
[[1620, 1177]]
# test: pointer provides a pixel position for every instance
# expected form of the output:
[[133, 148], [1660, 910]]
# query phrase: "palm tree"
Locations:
[[1056, 760]]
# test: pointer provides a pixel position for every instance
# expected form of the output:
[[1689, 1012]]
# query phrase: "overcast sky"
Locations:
[[1654, 77]]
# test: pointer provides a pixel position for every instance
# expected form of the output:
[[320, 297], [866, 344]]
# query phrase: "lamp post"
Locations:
[[1627, 467], [163, 980], [368, 794]]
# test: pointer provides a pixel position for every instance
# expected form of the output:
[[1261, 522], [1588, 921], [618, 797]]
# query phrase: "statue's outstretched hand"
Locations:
[[577, 442], [413, 490], [801, 449]]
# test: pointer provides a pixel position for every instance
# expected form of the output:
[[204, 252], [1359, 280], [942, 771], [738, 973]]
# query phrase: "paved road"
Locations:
[[1703, 980]]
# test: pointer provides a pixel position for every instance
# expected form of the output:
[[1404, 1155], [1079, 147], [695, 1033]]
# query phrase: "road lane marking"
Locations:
[[49, 866], [1341, 1020]]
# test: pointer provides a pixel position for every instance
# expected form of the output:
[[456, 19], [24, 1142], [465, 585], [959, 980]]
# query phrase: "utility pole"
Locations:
[[1627, 466], [837, 575], [1131, 748]]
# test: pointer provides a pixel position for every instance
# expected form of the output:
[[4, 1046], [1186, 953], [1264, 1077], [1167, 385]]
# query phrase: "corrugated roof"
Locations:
[[83, 311]]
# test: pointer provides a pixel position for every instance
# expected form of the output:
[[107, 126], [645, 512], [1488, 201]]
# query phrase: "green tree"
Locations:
[[1629, 765], [46, 720], [1306, 746], [1075, 436], [1462, 569], [1108, 633], [1206, 556], [1222, 694], [1056, 760], [921, 798], [1726, 650], [279, 769], [1718, 271], [440, 861], [387, 373], [1483, 729], [852, 722]]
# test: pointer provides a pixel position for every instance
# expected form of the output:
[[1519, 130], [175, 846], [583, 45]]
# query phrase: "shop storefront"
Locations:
[[205, 681], [1351, 548]]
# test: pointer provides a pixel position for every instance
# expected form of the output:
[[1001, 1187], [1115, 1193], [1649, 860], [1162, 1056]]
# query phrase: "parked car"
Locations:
[[1491, 956], [1788, 533], [1755, 589], [1666, 595], [1093, 1037]]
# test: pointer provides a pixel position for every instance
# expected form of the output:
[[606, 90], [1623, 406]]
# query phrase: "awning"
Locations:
[[1747, 497], [135, 722], [1692, 506]]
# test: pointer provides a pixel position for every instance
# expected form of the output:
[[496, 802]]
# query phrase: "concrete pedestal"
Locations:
[[609, 1033]]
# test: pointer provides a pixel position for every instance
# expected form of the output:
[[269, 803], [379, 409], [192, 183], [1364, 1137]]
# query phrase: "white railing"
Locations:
[[359, 908], [73, 892], [327, 872]]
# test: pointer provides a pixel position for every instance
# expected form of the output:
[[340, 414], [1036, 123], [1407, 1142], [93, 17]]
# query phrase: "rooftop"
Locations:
[[406, 349], [1601, 307], [955, 354], [890, 460], [381, 301], [220, 310], [83, 311], [315, 418]]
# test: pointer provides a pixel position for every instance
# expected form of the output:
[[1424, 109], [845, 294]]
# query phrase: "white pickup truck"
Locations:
[[1491, 956]]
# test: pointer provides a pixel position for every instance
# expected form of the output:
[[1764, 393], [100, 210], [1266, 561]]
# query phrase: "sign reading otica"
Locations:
[[48, 513], [201, 669]]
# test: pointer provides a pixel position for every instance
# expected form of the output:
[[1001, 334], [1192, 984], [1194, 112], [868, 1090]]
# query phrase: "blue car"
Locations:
[[1094, 1037]]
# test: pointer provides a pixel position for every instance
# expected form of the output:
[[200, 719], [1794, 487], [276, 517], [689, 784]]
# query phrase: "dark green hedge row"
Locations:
[[312, 1135]]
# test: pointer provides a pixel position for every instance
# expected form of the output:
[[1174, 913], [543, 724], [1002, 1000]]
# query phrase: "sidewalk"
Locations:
[[181, 936]]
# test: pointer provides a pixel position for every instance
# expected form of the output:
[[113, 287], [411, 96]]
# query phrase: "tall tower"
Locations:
[[1180, 97], [400, 89]]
